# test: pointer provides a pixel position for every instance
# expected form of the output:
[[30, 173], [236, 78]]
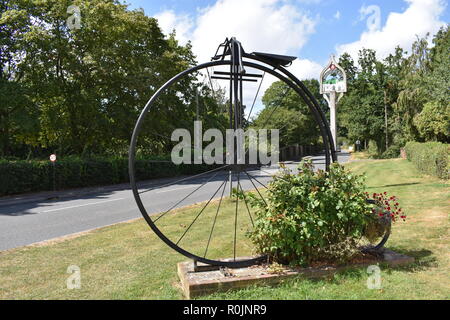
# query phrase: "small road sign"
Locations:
[[53, 157]]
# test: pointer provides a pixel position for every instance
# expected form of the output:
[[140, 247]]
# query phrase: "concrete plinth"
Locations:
[[195, 284]]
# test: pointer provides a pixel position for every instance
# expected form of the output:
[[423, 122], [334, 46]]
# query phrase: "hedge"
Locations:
[[430, 157], [30, 176]]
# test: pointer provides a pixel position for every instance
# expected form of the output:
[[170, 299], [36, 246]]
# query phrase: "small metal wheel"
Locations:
[[377, 234]]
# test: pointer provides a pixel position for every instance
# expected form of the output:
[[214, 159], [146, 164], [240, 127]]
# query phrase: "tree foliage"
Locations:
[[402, 98], [80, 91], [285, 110]]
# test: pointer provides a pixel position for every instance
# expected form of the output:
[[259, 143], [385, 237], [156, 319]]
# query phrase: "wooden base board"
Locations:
[[195, 284]]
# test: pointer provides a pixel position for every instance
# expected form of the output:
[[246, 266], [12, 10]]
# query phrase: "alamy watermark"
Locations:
[[374, 279], [74, 280], [74, 20], [373, 14], [237, 147]]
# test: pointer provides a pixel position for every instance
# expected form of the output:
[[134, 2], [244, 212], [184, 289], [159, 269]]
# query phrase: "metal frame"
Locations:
[[270, 64]]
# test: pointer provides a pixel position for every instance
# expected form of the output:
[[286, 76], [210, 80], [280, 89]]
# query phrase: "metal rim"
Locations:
[[291, 82], [377, 247]]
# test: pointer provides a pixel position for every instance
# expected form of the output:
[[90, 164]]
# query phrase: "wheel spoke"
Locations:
[[215, 219], [185, 179], [199, 214], [276, 107], [257, 180], [256, 97], [210, 81], [273, 175], [255, 187], [245, 201], [175, 205]]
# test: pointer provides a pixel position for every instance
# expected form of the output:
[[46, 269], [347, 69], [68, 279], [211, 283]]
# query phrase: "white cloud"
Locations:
[[264, 25], [306, 69], [401, 29], [183, 24], [275, 26], [337, 15]]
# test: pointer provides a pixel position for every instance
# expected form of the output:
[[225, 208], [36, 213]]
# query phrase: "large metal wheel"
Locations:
[[174, 229]]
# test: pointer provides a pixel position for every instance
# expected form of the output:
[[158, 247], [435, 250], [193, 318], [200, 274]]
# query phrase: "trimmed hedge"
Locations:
[[430, 157], [31, 176]]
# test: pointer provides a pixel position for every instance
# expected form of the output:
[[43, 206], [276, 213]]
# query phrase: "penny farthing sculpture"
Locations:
[[221, 94]]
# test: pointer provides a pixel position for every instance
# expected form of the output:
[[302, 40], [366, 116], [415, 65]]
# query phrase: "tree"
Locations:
[[433, 122], [18, 115], [285, 110], [362, 109], [414, 89], [88, 85]]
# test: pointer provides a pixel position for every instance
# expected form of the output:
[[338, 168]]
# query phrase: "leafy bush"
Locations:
[[430, 157], [73, 172], [391, 153], [310, 216], [372, 150]]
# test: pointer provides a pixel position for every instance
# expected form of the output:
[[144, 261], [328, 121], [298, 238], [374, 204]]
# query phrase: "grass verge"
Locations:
[[127, 261]]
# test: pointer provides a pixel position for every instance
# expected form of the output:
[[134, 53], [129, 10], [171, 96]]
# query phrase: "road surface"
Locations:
[[34, 218]]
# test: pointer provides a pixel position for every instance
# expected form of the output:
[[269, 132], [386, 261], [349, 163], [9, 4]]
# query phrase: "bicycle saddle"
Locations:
[[276, 59]]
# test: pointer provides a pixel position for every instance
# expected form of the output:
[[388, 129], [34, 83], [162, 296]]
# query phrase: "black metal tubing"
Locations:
[[221, 73], [137, 129], [223, 78]]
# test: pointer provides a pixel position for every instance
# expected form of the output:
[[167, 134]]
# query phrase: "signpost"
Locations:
[[53, 160], [333, 85]]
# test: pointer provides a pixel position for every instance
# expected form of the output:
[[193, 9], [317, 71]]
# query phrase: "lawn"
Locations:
[[127, 261], [359, 155]]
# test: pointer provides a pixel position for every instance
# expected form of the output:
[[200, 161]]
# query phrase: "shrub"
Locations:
[[73, 172], [310, 216], [391, 153], [319, 216], [430, 157], [372, 150]]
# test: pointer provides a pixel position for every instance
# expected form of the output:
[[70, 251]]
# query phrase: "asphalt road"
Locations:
[[33, 218]]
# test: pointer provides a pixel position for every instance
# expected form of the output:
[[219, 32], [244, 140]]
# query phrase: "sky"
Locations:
[[311, 30]]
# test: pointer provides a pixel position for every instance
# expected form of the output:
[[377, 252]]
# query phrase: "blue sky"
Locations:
[[309, 29]]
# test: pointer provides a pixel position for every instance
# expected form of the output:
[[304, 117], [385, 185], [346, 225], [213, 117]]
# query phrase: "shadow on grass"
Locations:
[[398, 185], [424, 259]]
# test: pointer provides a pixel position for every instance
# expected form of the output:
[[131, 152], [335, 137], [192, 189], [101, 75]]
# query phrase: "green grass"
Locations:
[[127, 261], [359, 155]]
